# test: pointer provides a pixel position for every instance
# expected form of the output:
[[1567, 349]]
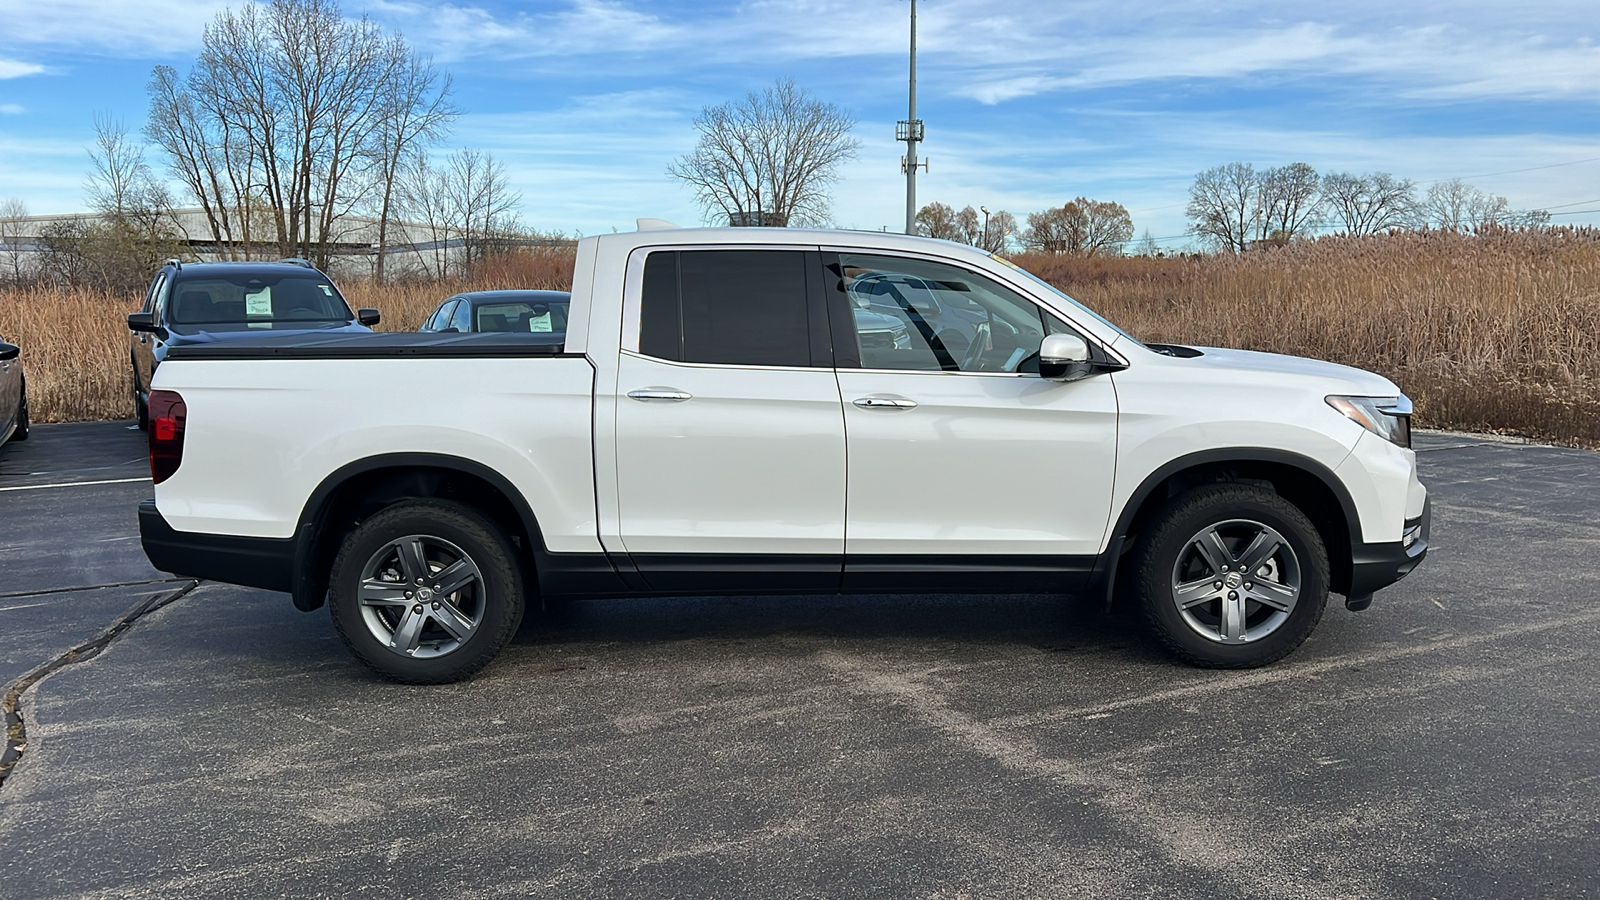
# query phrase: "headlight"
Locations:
[[1386, 417]]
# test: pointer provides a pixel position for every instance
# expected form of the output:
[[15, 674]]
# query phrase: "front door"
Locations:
[[729, 433], [966, 469]]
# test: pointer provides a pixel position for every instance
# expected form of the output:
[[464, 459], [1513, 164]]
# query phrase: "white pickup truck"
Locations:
[[740, 411]]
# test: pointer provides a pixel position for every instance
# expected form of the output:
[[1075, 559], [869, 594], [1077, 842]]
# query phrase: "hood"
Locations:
[[1337, 379]]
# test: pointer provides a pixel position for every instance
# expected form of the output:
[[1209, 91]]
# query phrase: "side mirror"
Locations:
[[368, 316], [8, 352], [1064, 357], [146, 322]]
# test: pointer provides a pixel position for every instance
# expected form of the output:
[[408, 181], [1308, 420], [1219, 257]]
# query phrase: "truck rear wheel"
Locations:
[[1231, 576], [426, 592]]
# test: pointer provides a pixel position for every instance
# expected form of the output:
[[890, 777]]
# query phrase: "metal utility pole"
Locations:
[[910, 131]]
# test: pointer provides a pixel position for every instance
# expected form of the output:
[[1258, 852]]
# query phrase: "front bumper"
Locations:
[[1376, 566], [253, 562]]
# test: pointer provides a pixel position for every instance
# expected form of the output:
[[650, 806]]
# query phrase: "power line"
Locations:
[[1516, 171]]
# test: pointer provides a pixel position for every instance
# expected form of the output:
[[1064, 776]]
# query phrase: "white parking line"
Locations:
[[67, 484]]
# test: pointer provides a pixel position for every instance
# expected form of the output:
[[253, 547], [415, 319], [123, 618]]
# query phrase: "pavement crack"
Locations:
[[44, 592], [16, 742]]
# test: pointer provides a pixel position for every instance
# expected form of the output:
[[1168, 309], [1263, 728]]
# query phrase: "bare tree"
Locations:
[[465, 206], [1369, 204], [136, 228], [1225, 205], [283, 119], [1081, 226], [1290, 198], [969, 226], [769, 158], [485, 206], [13, 213], [416, 112], [1454, 205], [938, 220]]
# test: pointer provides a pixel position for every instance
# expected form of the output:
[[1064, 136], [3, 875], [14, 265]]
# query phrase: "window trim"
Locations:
[[1021, 287], [839, 306]]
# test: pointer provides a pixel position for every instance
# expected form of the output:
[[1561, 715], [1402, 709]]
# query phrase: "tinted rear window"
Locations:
[[735, 307], [289, 300]]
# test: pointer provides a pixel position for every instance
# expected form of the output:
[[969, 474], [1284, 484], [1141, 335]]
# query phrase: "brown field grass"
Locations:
[[1497, 333]]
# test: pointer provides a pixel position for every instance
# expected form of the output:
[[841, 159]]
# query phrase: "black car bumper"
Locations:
[[1375, 566], [253, 562]]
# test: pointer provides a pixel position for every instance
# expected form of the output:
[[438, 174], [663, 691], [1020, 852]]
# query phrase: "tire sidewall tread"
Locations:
[[1195, 509], [468, 529]]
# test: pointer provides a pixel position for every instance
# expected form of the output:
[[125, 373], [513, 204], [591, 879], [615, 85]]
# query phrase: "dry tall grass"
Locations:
[[1497, 332]]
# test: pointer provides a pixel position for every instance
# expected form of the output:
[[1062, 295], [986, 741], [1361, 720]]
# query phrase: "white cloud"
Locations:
[[119, 27], [11, 109], [11, 68]]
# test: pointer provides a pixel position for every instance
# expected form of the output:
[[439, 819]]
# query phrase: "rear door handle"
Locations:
[[660, 394], [885, 403]]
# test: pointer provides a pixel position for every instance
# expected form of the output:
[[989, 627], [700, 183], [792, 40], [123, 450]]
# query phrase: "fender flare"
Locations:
[[309, 585], [1103, 578]]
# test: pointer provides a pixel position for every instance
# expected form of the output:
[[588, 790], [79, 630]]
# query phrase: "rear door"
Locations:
[[729, 430]]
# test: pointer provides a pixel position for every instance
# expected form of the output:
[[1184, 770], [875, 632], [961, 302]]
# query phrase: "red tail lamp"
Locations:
[[167, 415]]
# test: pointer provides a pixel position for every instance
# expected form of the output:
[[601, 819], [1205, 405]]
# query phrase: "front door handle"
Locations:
[[660, 394], [885, 403]]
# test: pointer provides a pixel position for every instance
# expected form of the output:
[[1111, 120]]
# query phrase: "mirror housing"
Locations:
[[145, 322], [368, 316], [8, 352], [1064, 357]]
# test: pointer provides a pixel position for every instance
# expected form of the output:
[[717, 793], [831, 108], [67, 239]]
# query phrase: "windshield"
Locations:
[[1059, 293], [256, 300]]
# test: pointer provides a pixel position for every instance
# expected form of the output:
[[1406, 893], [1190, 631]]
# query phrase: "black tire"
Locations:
[[141, 409], [24, 424], [443, 533], [1209, 617]]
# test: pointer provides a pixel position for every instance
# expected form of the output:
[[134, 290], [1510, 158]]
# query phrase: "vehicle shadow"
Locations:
[[1045, 621]]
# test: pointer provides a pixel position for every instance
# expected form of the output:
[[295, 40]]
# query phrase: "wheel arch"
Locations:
[[1305, 482], [356, 490]]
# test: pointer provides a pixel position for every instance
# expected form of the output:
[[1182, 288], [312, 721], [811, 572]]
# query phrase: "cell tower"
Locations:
[[909, 130]]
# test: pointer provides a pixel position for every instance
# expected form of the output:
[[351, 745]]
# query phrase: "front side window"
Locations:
[[270, 301], [461, 319], [733, 307], [913, 314]]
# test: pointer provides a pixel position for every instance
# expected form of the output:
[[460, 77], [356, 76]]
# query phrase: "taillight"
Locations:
[[167, 415]]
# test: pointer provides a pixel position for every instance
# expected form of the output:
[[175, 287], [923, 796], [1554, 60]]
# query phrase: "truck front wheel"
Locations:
[[426, 591], [1231, 576]]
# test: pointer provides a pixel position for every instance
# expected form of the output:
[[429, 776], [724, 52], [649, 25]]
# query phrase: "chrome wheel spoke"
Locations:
[[374, 592], [1259, 551], [1280, 597], [408, 633], [1195, 593], [413, 560], [454, 577], [454, 621], [1232, 626], [1214, 551]]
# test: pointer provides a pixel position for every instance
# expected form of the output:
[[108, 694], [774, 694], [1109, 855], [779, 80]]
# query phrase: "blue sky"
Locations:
[[1028, 103]]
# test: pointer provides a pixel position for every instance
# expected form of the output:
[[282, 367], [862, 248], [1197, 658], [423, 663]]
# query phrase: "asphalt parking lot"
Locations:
[[1441, 744]]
